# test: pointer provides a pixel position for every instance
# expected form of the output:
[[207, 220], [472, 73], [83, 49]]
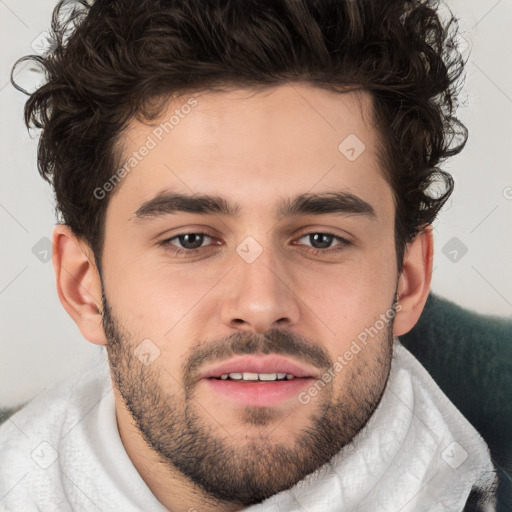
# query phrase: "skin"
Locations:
[[254, 149]]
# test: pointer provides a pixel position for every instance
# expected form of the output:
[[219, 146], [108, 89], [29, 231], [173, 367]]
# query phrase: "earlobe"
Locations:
[[414, 281], [78, 283]]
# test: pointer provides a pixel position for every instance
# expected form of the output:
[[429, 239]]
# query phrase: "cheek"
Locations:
[[157, 299], [348, 298]]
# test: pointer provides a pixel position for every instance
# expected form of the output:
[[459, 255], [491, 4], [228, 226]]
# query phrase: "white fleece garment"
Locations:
[[62, 452]]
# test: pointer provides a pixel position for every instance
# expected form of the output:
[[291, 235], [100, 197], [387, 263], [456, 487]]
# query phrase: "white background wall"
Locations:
[[40, 344]]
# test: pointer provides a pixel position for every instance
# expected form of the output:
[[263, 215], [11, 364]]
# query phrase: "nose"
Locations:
[[259, 296]]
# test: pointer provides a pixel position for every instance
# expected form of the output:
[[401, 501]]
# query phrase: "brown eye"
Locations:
[[321, 240], [187, 242], [319, 243], [191, 240]]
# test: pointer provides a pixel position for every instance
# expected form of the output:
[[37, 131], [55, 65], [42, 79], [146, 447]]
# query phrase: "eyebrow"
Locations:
[[168, 203]]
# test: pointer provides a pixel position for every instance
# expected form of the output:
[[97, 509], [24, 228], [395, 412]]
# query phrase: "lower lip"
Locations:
[[258, 393]]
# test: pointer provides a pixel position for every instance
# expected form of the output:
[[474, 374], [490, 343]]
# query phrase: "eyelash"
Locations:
[[343, 243]]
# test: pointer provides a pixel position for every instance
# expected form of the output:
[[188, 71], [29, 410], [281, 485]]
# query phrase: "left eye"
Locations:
[[321, 240]]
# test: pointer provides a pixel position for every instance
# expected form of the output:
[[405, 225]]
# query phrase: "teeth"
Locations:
[[257, 376], [269, 376]]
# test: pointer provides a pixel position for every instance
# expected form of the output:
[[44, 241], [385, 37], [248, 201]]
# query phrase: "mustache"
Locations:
[[243, 343]]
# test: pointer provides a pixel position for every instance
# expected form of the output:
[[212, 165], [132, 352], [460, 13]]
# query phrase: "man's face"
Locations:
[[276, 275]]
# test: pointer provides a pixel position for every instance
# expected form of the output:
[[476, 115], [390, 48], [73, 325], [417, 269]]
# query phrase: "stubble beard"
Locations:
[[246, 471]]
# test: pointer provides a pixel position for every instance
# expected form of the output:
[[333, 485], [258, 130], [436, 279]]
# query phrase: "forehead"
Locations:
[[278, 142]]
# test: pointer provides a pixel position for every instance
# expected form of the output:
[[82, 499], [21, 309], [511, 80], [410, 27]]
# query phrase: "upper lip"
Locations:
[[259, 364]]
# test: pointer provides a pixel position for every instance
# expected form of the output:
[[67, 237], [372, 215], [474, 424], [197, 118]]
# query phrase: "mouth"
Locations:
[[258, 381], [252, 377]]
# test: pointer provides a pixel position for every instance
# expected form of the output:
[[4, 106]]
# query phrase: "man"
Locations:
[[246, 207]]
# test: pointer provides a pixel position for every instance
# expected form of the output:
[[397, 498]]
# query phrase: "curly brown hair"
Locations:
[[110, 60]]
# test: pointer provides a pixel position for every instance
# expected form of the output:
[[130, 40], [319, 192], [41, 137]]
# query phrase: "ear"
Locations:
[[78, 283], [414, 281]]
